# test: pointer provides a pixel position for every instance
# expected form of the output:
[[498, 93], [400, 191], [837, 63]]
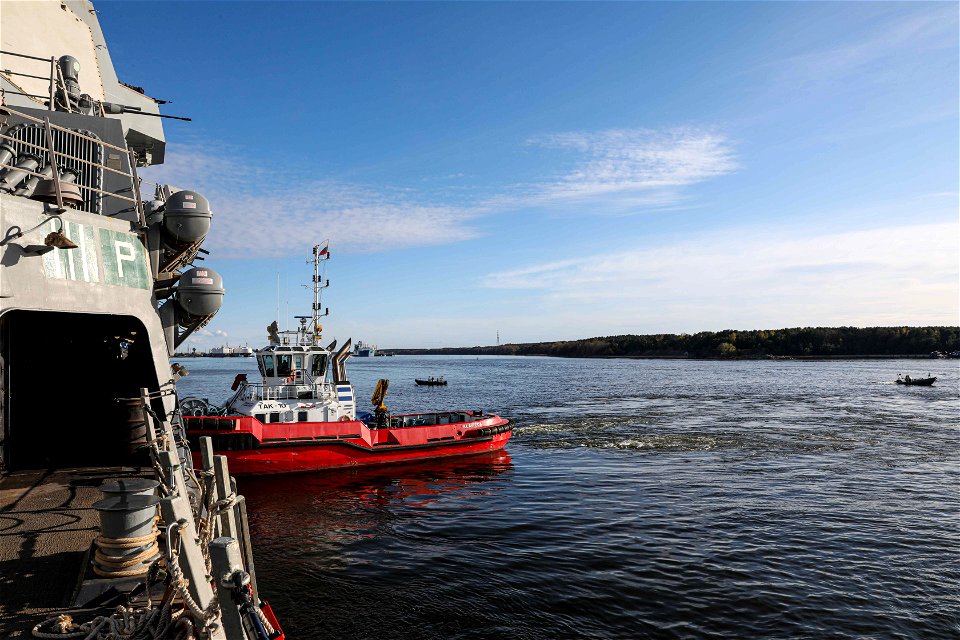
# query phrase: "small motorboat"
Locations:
[[919, 382], [432, 382]]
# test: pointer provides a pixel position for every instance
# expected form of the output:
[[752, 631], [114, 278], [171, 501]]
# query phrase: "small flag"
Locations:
[[325, 251]]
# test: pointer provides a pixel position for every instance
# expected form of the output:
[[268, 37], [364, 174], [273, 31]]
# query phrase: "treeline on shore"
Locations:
[[794, 342]]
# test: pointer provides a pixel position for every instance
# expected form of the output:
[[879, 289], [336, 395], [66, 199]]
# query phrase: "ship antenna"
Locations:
[[321, 253]]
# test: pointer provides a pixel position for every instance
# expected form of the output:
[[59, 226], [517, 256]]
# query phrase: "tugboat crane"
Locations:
[[380, 409]]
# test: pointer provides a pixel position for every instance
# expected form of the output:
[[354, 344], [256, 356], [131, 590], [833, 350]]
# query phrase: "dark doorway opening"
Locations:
[[62, 375]]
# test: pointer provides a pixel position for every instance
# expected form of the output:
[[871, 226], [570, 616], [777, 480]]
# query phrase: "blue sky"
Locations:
[[559, 171]]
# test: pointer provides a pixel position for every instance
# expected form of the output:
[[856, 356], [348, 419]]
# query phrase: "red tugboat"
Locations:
[[302, 415]]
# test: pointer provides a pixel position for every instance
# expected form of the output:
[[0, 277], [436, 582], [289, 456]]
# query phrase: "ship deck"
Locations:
[[47, 523]]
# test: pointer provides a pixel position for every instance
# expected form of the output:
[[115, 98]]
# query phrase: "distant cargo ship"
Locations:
[[227, 351], [364, 350]]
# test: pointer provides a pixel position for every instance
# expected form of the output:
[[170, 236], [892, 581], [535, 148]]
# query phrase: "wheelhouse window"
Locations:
[[266, 366], [319, 365], [284, 362], [297, 362]]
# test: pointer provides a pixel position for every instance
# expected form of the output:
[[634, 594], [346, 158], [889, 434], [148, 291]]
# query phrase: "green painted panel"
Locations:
[[73, 264], [124, 259]]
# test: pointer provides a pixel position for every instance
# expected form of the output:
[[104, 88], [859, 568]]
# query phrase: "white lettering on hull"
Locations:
[[125, 253]]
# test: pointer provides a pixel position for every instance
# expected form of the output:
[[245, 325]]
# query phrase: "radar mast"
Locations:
[[321, 253]]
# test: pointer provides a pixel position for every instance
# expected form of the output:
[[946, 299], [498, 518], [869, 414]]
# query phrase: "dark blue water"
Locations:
[[637, 498]]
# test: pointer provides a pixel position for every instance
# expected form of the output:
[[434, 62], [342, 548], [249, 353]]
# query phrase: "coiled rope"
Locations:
[[157, 623], [110, 562]]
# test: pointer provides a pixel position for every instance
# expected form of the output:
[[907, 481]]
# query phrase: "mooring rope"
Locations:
[[127, 543], [108, 563], [157, 622], [181, 583], [124, 623]]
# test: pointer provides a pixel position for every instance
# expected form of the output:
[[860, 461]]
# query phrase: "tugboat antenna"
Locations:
[[320, 253]]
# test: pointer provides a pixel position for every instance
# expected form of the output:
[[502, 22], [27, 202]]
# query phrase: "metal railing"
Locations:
[[67, 138], [83, 157], [57, 85], [67, 98], [256, 391]]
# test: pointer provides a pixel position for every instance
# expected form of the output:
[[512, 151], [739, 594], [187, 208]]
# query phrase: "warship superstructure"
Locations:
[[101, 280]]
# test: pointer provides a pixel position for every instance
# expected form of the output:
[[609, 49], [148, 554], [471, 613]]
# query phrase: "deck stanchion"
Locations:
[[138, 205], [176, 509], [170, 463], [225, 559], [206, 453], [53, 164], [62, 84], [228, 524], [53, 75], [147, 418], [245, 546]]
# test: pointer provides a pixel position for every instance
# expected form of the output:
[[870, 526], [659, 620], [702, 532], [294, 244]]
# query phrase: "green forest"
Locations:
[[795, 342]]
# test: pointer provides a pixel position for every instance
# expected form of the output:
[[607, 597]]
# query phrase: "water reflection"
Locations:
[[332, 509]]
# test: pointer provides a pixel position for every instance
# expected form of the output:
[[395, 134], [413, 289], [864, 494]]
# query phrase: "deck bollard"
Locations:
[[127, 543], [130, 487]]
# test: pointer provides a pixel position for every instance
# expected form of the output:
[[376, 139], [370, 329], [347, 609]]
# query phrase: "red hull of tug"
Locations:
[[254, 448], [331, 456]]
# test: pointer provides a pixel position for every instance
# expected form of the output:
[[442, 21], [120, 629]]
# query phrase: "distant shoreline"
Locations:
[[798, 343], [425, 352]]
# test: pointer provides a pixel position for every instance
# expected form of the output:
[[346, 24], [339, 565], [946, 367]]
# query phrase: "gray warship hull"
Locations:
[[98, 287]]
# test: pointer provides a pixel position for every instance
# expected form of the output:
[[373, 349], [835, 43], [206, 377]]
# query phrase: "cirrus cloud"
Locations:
[[779, 277], [612, 171], [624, 161]]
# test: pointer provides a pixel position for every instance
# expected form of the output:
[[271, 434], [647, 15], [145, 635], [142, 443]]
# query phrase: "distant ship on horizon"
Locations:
[[224, 351], [364, 350]]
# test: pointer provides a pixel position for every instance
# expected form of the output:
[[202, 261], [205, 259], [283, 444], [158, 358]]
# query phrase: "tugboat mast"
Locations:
[[319, 284], [304, 335]]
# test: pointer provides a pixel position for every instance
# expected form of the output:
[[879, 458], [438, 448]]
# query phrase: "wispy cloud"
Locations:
[[896, 274], [251, 203], [646, 166], [932, 29], [612, 171]]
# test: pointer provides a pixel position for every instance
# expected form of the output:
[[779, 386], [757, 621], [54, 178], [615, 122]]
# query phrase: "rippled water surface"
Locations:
[[637, 498]]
